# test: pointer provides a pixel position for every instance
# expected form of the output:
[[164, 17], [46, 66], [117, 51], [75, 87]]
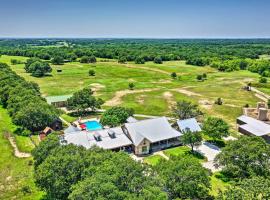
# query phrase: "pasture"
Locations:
[[155, 91]]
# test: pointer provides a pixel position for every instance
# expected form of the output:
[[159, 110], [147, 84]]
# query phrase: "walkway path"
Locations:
[[160, 153], [148, 69], [261, 95], [17, 153]]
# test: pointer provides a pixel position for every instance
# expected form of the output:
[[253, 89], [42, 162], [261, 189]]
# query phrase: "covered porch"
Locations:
[[164, 144]]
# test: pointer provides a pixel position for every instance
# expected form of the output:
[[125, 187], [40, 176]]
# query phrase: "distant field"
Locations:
[[265, 57], [155, 91]]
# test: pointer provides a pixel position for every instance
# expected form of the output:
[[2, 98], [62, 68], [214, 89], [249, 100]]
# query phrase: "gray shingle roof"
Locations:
[[154, 130], [254, 126], [190, 124]]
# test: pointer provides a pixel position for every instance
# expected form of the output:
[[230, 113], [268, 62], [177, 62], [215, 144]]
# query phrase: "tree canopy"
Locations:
[[83, 100], [185, 109], [24, 103], [185, 178], [252, 188], [93, 174], [191, 138], [58, 60], [37, 67], [245, 157], [215, 128], [44, 149], [116, 116]]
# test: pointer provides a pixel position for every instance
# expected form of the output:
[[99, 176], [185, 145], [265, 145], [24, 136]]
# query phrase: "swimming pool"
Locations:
[[92, 125]]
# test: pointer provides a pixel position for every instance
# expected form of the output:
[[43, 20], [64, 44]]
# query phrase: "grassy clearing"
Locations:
[[68, 118], [265, 57], [217, 184], [24, 143], [15, 173], [183, 151], [35, 139], [112, 77], [152, 160]]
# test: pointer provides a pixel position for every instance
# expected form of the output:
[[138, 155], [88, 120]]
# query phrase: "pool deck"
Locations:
[[78, 122]]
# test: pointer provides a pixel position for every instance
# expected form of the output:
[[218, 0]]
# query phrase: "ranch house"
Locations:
[[141, 137]]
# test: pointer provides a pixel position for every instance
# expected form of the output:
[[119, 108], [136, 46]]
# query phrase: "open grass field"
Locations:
[[155, 91], [16, 175]]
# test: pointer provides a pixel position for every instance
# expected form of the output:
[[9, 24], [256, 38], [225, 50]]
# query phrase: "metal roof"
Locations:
[[154, 130], [53, 99], [71, 129], [254, 126], [131, 120], [87, 139], [190, 124]]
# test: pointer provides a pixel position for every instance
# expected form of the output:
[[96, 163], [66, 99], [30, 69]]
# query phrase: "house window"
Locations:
[[144, 149]]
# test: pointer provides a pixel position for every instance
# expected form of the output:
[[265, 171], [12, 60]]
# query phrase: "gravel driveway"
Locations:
[[209, 151]]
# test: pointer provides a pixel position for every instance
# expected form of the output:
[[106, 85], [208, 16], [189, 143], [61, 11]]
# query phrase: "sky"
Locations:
[[135, 18]]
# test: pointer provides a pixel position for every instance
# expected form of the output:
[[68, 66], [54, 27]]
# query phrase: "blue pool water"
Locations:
[[93, 125]]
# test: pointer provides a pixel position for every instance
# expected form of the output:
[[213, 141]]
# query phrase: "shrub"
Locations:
[[219, 101], [199, 77], [204, 76], [58, 60], [139, 60], [158, 60], [91, 72], [263, 80], [92, 59], [84, 59], [131, 86], [122, 59], [174, 75]]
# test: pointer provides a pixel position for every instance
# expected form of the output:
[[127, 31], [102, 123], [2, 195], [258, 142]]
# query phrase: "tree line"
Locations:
[[24, 103], [195, 52]]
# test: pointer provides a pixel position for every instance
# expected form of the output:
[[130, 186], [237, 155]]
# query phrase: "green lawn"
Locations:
[[68, 118], [15, 173], [175, 151], [217, 184], [152, 160], [35, 139], [24, 143], [112, 77], [183, 151]]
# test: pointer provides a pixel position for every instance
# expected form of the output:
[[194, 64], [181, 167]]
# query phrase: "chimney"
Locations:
[[262, 114], [260, 105]]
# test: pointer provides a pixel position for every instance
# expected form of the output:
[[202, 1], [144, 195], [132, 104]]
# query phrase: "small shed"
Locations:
[[190, 124], [43, 134]]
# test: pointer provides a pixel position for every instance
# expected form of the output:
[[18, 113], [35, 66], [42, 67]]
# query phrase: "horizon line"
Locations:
[[74, 37]]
